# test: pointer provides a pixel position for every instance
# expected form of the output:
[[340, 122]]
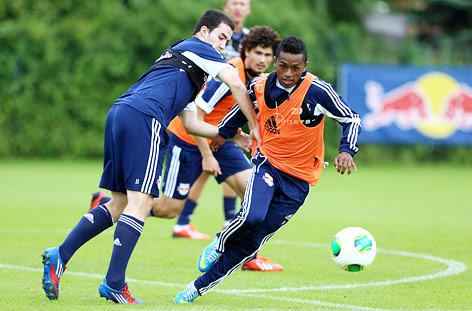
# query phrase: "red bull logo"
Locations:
[[436, 105]]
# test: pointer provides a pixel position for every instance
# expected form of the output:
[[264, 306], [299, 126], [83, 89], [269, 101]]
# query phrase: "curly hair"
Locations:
[[263, 36], [292, 45]]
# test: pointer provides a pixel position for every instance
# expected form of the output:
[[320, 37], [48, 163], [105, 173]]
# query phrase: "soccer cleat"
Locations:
[[53, 269], [262, 264], [117, 296], [97, 197], [208, 256], [188, 295], [189, 232]]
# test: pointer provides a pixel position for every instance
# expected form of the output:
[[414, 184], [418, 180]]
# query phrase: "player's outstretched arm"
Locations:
[[231, 78], [196, 127], [209, 163], [345, 161]]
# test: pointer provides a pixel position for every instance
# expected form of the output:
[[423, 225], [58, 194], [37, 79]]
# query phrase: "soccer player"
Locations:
[[292, 106], [188, 156], [238, 11], [135, 141]]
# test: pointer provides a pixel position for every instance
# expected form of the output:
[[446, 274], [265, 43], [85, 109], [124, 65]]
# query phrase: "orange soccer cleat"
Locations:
[[262, 264], [189, 232]]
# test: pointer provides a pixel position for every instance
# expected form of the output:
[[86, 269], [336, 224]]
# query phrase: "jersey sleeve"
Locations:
[[211, 64], [228, 126], [191, 107], [212, 95], [323, 99]]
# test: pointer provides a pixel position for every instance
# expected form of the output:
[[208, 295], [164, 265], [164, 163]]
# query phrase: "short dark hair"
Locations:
[[264, 36], [212, 19], [292, 45]]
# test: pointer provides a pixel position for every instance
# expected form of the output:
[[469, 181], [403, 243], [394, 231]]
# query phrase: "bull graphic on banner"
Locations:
[[411, 104]]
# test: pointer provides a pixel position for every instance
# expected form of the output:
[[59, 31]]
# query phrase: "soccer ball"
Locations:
[[353, 249]]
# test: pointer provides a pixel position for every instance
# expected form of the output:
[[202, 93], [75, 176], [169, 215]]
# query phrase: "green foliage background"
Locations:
[[65, 62]]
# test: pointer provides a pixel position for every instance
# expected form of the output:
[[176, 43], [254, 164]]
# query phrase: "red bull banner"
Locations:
[[410, 105]]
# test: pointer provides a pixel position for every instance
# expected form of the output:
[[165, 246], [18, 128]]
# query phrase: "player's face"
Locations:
[[290, 68], [238, 10], [258, 59], [219, 36]]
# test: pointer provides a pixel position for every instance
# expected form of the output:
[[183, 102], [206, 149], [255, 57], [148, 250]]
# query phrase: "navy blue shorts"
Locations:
[[135, 145], [272, 197], [184, 165]]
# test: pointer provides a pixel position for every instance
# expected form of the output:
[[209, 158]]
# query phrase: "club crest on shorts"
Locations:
[[268, 179], [183, 188]]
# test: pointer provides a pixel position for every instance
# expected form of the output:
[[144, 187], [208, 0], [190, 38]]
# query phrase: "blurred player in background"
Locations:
[[238, 11], [135, 142], [292, 104]]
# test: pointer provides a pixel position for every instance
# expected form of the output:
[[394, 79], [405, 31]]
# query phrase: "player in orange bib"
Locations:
[[292, 104]]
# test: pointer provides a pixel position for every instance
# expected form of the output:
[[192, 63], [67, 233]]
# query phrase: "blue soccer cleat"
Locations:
[[53, 269], [209, 256], [117, 296], [186, 296]]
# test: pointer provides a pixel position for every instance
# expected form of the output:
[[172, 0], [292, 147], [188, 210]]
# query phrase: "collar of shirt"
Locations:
[[279, 93]]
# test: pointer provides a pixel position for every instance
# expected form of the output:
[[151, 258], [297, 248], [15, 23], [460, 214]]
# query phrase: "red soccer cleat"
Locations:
[[189, 232], [96, 198], [262, 264]]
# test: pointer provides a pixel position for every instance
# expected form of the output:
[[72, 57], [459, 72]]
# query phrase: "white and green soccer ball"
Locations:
[[353, 249]]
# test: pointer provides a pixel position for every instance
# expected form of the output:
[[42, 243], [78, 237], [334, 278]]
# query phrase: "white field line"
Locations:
[[454, 267], [336, 306]]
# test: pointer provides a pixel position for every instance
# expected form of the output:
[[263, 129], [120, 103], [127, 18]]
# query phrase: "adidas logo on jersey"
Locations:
[[89, 217], [271, 126], [117, 242]]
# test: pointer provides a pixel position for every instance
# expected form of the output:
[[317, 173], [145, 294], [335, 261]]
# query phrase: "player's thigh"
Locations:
[[232, 161], [238, 182], [228, 191], [197, 187], [175, 206]]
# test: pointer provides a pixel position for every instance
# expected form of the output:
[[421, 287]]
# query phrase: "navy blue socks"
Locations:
[[90, 225], [229, 206], [186, 214], [127, 232]]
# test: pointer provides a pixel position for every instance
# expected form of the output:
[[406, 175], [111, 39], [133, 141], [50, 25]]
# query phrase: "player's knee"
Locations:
[[167, 208], [254, 220]]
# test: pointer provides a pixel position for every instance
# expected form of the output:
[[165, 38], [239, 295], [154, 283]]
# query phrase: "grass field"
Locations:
[[421, 217]]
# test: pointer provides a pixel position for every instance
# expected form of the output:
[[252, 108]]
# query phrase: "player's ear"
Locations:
[[204, 31]]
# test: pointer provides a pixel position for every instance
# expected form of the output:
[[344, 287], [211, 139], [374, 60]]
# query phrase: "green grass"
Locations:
[[421, 210]]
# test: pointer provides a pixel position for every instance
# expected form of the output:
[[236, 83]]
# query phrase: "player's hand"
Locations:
[[255, 134], [242, 140], [210, 165], [217, 142], [345, 161]]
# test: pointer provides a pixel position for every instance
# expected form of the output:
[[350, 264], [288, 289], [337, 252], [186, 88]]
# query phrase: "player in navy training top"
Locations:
[[135, 143]]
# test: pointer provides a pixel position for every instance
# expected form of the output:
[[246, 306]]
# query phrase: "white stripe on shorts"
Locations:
[[173, 173], [153, 158]]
